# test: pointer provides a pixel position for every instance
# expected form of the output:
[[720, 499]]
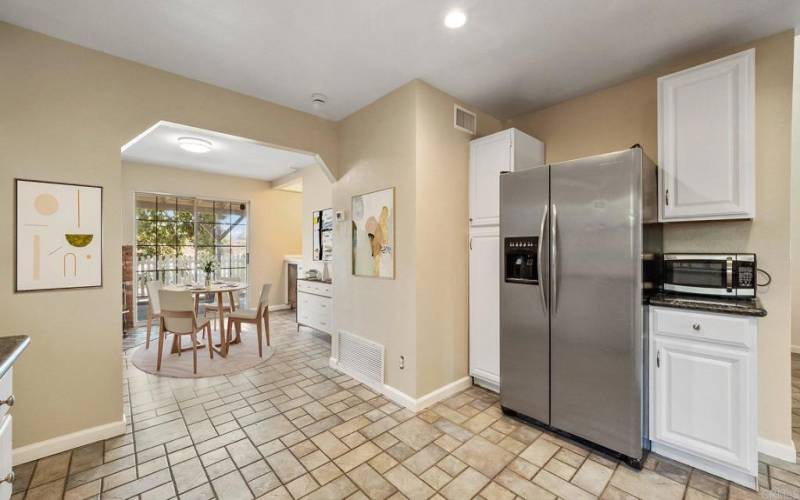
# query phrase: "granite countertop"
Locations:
[[10, 349], [743, 307], [327, 282]]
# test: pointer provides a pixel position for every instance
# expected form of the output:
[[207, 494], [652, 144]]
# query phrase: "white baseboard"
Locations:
[[444, 392], [399, 397], [796, 349], [782, 451], [278, 307], [429, 399], [403, 399], [35, 451]]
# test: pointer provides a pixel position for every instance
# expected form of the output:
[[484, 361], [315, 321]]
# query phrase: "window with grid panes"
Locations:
[[175, 235]]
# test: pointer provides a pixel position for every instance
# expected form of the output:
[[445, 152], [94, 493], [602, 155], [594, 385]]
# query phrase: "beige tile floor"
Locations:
[[294, 428]]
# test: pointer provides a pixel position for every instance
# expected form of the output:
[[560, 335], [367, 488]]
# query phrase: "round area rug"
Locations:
[[240, 357]]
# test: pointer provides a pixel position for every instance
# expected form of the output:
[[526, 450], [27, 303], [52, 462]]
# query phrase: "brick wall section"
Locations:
[[127, 283]]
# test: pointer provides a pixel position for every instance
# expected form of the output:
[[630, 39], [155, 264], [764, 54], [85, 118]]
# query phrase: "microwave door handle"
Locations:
[[729, 274], [539, 258]]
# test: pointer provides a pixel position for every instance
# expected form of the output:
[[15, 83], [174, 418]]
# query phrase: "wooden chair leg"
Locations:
[[238, 325], [160, 345], [149, 326], [259, 333], [194, 352], [229, 329], [210, 342]]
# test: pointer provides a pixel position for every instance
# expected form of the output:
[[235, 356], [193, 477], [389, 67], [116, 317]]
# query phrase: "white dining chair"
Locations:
[[153, 307], [213, 307], [253, 316], [178, 318]]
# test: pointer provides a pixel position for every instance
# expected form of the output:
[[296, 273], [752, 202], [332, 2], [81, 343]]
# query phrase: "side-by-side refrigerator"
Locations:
[[577, 239]]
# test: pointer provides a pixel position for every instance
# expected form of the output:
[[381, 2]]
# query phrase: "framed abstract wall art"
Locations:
[[59, 240], [373, 234], [322, 235]]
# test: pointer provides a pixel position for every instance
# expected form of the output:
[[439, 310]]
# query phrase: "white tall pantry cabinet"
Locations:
[[505, 151]]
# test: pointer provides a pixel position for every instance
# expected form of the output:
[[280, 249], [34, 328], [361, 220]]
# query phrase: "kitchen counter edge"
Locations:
[[747, 307], [10, 349]]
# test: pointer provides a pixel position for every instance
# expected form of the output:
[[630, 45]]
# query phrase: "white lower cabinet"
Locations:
[[315, 305], [703, 400], [6, 401], [484, 307]]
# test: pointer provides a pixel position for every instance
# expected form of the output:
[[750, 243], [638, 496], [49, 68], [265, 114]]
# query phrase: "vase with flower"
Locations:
[[209, 266]]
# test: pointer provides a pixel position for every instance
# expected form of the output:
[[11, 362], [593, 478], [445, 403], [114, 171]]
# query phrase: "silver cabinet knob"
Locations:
[[9, 478], [9, 401], [696, 326]]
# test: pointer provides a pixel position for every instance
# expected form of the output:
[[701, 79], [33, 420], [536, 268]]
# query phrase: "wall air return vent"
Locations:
[[362, 359], [464, 120]]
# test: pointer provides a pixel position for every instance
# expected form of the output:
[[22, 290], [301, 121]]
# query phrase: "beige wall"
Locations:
[[275, 215], [442, 221], [67, 111], [621, 116], [377, 145], [407, 140], [795, 199]]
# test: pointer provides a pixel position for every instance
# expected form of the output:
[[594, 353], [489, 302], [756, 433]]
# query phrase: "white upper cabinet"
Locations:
[[504, 151], [706, 141]]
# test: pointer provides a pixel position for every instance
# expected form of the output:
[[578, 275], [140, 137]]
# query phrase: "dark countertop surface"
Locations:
[[10, 349], [327, 282], [742, 307]]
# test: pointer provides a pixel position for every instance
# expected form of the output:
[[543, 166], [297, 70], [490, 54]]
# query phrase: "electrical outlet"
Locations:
[[402, 362]]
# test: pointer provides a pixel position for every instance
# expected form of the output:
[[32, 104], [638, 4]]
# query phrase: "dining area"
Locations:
[[204, 329]]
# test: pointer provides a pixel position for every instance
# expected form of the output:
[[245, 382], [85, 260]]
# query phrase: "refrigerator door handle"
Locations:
[[539, 258], [554, 260]]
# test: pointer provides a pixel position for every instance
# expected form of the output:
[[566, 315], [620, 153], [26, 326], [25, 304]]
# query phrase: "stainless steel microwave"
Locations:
[[721, 275]]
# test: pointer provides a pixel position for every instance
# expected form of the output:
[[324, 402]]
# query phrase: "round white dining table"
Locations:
[[218, 288]]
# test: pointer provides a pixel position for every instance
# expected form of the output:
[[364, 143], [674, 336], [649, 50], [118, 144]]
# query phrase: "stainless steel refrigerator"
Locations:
[[576, 238]]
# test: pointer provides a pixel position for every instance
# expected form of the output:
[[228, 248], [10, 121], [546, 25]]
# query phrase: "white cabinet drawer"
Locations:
[[315, 287], [720, 328], [5, 458], [315, 311]]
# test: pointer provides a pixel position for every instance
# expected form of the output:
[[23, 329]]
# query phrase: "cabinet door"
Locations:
[[5, 457], [304, 307], [701, 401], [488, 157], [706, 141], [484, 307]]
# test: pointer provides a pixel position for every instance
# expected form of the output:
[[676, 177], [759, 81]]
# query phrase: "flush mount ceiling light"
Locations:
[[455, 19], [194, 144]]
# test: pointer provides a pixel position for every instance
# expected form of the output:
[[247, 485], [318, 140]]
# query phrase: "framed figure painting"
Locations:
[[373, 234], [59, 236]]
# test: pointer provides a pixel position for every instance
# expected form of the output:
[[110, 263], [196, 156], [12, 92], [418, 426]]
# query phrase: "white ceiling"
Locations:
[[511, 57], [230, 155]]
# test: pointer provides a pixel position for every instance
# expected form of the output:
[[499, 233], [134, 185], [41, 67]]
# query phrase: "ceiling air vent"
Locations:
[[464, 120]]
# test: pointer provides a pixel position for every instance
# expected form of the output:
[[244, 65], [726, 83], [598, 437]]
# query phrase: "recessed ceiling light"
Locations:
[[455, 19], [194, 144]]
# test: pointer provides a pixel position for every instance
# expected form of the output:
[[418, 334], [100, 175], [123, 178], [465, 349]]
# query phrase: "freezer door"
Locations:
[[596, 309], [524, 322]]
